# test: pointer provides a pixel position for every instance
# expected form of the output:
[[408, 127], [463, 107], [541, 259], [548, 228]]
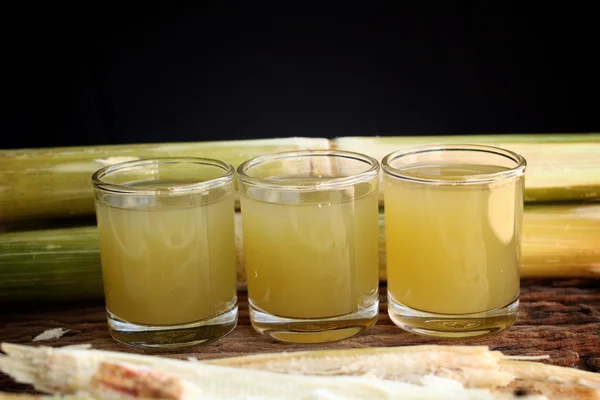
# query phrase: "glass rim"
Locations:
[[180, 188], [517, 170], [329, 183]]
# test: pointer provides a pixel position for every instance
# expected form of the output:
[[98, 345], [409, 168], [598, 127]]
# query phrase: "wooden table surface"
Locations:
[[560, 318]]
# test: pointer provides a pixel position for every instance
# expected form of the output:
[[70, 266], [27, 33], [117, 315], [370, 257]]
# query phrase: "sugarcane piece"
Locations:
[[50, 264], [36, 183], [472, 366], [490, 369], [68, 371], [559, 241], [63, 264], [418, 372], [16, 396], [560, 167], [552, 380], [40, 183]]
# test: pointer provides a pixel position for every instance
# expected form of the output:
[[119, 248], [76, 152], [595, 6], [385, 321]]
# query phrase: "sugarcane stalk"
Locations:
[[559, 167], [41, 183], [17, 396], [50, 264], [412, 372], [478, 366], [559, 241], [97, 372]]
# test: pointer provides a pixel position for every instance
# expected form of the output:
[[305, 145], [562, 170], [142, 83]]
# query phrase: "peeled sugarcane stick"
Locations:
[[64, 264], [472, 366], [410, 372], [36, 183], [559, 167], [16, 396], [39, 183], [561, 241]]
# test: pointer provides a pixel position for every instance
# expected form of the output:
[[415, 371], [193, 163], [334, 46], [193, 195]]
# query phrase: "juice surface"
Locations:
[[316, 258], [453, 249], [168, 266]]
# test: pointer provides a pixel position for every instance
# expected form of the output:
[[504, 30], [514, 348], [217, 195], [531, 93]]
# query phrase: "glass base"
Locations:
[[449, 326], [317, 330], [172, 337]]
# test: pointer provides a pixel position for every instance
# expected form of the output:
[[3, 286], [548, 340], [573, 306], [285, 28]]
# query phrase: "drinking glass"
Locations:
[[453, 222], [310, 231], [167, 248]]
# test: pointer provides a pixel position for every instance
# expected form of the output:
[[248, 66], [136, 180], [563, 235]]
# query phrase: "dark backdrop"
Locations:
[[102, 74]]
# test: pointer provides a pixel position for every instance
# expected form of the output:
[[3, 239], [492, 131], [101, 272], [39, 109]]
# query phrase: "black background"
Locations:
[[102, 74]]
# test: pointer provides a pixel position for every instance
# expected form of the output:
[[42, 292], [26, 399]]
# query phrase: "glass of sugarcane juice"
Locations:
[[167, 248], [310, 231], [453, 218]]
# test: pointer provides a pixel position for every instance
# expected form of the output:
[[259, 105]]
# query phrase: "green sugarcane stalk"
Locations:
[[560, 167], [64, 264], [55, 182]]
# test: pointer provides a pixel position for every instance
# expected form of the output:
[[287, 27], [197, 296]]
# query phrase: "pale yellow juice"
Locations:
[[168, 266], [316, 257], [453, 249]]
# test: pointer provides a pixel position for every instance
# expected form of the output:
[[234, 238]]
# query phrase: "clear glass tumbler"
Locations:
[[453, 221], [167, 248], [310, 230]]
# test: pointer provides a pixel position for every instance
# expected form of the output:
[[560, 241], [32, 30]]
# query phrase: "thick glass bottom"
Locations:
[[317, 330], [448, 326], [172, 337]]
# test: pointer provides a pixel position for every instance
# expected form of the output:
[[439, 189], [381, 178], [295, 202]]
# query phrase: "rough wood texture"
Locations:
[[560, 318]]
